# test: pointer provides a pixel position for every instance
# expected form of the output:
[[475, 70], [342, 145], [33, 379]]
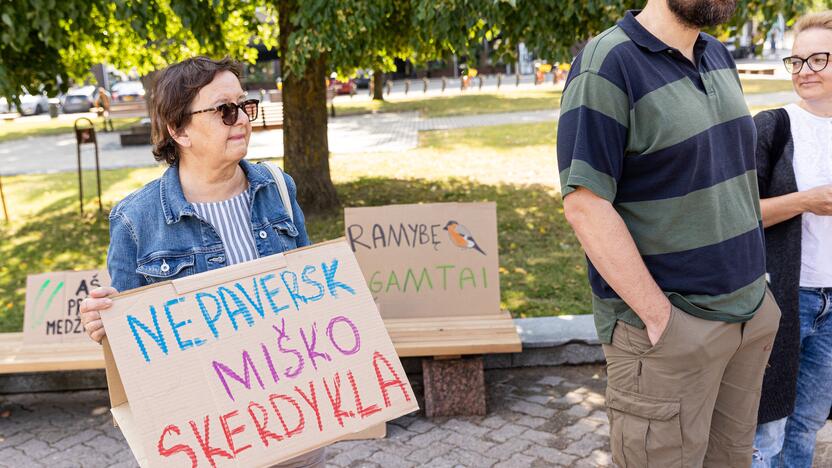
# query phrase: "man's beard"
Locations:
[[702, 13]]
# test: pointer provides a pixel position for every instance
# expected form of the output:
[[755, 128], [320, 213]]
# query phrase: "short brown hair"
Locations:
[[821, 20], [175, 89]]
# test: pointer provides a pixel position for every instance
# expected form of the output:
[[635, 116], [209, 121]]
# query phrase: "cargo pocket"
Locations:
[[645, 431], [163, 268]]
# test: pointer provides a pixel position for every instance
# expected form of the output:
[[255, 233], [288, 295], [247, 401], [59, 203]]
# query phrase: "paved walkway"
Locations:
[[544, 416], [382, 132]]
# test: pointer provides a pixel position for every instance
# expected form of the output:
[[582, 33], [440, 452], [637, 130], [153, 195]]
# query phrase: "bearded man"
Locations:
[[656, 155]]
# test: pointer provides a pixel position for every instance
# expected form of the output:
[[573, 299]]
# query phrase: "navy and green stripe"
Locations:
[[670, 144]]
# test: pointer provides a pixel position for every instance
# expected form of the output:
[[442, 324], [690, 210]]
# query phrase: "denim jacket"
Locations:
[[155, 234]]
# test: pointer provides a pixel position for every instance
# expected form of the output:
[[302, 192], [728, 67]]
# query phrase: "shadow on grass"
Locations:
[[542, 268]]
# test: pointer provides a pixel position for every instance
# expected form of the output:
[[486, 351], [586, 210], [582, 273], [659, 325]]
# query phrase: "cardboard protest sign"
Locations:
[[428, 260], [53, 303], [252, 364]]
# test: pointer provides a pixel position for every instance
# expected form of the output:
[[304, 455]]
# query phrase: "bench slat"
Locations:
[[412, 337]]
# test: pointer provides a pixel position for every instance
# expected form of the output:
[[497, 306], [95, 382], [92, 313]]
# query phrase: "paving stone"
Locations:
[[59, 430], [35, 448], [396, 432], [600, 416], [570, 398], [517, 461], [442, 462], [470, 458], [586, 445], [493, 421], [506, 432], [538, 437], [577, 430], [551, 380], [388, 459], [75, 439], [106, 444], [550, 455], [539, 399], [13, 457], [508, 448], [595, 399], [580, 410], [347, 457], [530, 421], [464, 427], [424, 454], [531, 409], [421, 425]]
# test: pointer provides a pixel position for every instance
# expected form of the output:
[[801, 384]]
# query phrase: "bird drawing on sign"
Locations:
[[461, 236]]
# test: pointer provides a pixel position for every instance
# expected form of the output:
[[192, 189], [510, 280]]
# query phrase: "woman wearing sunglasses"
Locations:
[[794, 170], [211, 208]]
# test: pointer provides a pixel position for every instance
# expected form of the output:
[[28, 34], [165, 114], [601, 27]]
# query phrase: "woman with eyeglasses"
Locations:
[[211, 208], [794, 171]]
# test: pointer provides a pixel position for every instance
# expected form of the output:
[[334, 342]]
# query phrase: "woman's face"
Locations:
[[206, 136], [811, 85]]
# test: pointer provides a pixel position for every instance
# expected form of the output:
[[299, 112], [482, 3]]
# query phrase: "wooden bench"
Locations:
[[452, 347], [270, 114]]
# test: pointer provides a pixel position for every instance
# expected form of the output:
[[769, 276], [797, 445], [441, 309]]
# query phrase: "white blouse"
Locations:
[[812, 137]]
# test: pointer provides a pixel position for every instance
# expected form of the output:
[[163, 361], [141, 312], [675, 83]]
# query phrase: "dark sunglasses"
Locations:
[[230, 111], [816, 62]]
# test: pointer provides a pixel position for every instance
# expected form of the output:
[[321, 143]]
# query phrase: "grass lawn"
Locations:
[[21, 128], [542, 268], [458, 104]]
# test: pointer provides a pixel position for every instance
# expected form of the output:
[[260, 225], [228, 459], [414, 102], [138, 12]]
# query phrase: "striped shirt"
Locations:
[[670, 143], [232, 220]]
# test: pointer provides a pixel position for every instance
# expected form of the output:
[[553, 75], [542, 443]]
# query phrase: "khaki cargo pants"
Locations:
[[691, 400]]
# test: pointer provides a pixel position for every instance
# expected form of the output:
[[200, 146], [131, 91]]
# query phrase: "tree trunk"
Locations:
[[305, 145], [378, 85], [148, 82]]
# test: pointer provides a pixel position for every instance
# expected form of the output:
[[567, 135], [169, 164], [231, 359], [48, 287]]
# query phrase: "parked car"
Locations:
[[30, 104], [739, 51], [127, 91], [342, 87], [362, 81], [80, 99]]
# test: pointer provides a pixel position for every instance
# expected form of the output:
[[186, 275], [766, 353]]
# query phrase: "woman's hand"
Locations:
[[819, 200], [91, 308]]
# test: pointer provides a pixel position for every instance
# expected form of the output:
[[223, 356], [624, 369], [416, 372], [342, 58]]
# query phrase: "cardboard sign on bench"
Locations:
[[429, 260], [273, 358], [53, 303]]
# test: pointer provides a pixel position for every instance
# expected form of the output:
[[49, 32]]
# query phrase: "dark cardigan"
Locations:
[[775, 176]]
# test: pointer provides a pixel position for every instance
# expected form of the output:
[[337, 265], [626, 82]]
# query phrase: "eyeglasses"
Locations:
[[816, 62], [230, 111]]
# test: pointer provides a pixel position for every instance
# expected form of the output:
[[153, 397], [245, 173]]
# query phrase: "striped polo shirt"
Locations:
[[670, 143], [232, 220]]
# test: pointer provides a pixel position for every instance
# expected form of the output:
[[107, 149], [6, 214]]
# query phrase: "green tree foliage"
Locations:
[[44, 43]]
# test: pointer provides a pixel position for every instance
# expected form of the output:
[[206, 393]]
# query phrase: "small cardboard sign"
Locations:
[[53, 304], [428, 260], [252, 364]]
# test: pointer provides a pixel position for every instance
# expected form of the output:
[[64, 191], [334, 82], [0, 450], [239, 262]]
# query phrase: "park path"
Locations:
[[380, 132], [537, 417]]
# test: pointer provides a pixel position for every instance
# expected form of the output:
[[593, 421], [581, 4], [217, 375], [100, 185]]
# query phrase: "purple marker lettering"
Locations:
[[310, 347], [222, 371], [281, 337], [330, 332]]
